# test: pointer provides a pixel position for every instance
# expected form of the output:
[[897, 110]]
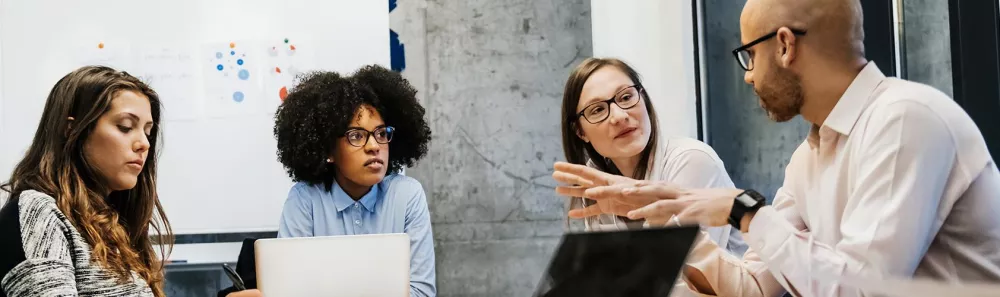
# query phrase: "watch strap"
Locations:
[[745, 202]]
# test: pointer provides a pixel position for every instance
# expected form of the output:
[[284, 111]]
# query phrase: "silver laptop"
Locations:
[[352, 266]]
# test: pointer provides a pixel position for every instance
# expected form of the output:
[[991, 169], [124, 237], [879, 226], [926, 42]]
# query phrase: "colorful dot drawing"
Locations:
[[219, 67], [238, 96], [218, 55], [283, 70], [232, 53], [244, 74], [283, 93], [100, 45], [239, 62], [232, 45]]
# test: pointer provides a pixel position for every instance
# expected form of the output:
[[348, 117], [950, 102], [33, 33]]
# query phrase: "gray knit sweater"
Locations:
[[56, 260]]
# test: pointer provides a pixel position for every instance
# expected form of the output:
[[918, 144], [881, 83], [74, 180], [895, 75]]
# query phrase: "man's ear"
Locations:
[[788, 43]]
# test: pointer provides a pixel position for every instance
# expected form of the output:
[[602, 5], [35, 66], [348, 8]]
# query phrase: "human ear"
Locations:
[[788, 43]]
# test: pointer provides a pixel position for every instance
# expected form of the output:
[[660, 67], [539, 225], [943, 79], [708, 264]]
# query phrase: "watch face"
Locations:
[[746, 200]]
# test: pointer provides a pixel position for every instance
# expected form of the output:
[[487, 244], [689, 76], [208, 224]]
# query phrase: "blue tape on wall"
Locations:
[[396, 52]]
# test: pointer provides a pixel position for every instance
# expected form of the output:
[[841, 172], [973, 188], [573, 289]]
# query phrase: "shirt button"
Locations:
[[357, 222], [355, 205]]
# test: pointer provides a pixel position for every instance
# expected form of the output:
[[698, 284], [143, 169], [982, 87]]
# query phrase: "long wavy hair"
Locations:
[[117, 225]]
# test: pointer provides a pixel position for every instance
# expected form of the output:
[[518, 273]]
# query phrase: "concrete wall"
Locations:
[[493, 75]]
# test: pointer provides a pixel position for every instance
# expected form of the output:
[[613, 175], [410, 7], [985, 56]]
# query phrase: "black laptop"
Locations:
[[636, 263]]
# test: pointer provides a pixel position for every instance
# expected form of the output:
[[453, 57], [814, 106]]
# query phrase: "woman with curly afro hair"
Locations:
[[344, 141]]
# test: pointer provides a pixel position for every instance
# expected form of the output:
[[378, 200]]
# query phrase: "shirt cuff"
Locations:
[[703, 256], [767, 232]]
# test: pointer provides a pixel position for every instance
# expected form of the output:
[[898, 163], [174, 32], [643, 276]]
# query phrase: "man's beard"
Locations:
[[781, 96]]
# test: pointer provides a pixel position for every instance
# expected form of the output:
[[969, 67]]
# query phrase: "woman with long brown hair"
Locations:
[[609, 124], [83, 199]]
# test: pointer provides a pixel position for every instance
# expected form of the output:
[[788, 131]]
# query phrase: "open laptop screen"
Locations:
[[642, 262]]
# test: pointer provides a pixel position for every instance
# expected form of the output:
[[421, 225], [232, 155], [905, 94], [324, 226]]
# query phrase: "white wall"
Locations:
[[657, 38]]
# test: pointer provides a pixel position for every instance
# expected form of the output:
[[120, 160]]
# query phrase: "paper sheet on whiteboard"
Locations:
[[232, 79], [284, 60], [172, 71]]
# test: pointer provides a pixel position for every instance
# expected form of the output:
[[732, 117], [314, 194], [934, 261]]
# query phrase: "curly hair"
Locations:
[[319, 109]]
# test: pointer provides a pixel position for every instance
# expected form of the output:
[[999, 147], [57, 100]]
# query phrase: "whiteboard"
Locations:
[[218, 169], [657, 39]]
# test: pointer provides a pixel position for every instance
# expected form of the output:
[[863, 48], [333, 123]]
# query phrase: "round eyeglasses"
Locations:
[[359, 137], [599, 111]]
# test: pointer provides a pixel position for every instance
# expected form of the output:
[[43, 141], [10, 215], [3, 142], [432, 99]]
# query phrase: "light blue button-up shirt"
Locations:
[[395, 205]]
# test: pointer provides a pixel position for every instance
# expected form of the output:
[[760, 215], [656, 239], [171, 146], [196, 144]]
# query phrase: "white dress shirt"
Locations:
[[896, 183]]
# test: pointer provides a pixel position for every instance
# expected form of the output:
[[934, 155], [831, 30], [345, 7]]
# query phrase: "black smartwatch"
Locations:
[[745, 202]]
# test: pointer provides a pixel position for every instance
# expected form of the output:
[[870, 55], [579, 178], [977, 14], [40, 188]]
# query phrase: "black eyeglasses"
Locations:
[[359, 137], [599, 111], [743, 53]]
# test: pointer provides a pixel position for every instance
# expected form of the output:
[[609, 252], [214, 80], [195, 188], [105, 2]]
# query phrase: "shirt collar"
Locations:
[[848, 110], [343, 201]]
